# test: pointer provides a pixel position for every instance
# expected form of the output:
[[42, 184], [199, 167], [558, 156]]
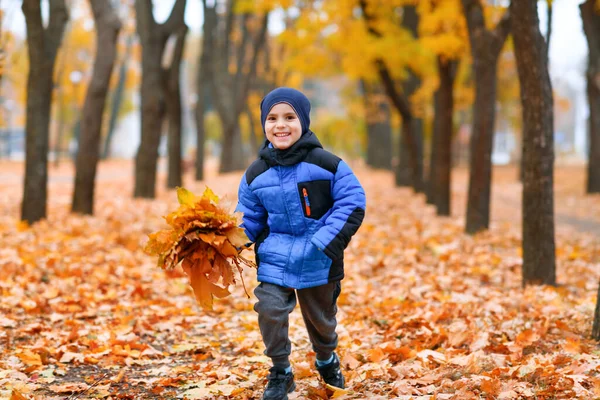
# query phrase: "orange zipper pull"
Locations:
[[306, 201]]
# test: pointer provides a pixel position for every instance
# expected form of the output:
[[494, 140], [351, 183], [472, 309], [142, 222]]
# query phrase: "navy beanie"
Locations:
[[294, 98]]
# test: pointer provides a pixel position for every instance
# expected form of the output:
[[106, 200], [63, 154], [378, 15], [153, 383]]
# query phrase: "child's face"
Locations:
[[282, 126]]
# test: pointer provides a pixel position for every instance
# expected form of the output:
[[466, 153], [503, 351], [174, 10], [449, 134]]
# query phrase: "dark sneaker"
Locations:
[[331, 373], [280, 384]]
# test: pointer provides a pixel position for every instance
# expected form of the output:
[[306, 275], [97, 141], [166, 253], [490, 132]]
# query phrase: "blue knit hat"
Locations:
[[296, 99]]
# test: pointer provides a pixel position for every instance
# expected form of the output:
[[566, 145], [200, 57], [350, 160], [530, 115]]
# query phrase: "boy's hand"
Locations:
[[243, 247]]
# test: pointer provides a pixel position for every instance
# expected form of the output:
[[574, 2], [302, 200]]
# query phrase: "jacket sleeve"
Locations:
[[348, 211], [255, 214]]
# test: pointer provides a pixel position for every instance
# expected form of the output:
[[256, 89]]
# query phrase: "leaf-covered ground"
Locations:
[[425, 311]]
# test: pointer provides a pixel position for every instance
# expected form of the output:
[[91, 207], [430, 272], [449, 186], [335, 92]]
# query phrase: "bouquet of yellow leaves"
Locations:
[[204, 238]]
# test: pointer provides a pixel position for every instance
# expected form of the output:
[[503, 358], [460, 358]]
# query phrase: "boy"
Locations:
[[301, 206]]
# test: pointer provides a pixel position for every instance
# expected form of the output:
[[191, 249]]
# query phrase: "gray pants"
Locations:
[[318, 306]]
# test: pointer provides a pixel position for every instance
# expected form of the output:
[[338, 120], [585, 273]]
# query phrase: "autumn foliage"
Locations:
[[204, 239]]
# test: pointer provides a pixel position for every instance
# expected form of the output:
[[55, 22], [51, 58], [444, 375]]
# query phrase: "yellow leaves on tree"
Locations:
[[203, 237]]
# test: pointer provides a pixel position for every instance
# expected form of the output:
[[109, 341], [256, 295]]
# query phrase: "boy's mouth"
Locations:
[[282, 134]]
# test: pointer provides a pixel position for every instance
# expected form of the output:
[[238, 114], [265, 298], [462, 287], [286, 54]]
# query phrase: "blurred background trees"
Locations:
[[416, 87]]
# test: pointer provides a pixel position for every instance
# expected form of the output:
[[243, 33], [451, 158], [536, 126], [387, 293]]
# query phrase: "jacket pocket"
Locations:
[[259, 240], [315, 198]]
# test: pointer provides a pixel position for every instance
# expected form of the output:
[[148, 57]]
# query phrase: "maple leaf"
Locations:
[[204, 239], [16, 395]]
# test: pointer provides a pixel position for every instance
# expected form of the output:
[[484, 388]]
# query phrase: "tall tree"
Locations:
[[400, 101], [230, 89], [173, 96], [443, 31], [43, 43], [107, 32], [591, 27], [203, 83], [410, 21], [379, 129], [445, 130], [153, 37], [539, 259], [485, 49]]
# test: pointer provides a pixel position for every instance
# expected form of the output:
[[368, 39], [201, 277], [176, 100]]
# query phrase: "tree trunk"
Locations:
[[591, 26], [596, 325], [434, 145], [447, 71], [539, 261], [43, 44], [485, 49], [548, 37], [107, 31], [173, 97], [153, 37], [379, 130], [481, 146], [117, 98], [403, 169]]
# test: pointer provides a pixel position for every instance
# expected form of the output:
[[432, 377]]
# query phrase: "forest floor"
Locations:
[[425, 311]]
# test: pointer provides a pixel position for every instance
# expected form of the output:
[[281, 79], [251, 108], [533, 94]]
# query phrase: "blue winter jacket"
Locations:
[[301, 207]]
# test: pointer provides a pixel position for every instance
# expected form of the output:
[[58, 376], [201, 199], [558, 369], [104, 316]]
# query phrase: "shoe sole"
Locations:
[[291, 389]]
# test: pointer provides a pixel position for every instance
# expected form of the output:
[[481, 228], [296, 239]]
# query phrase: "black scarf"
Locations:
[[293, 155]]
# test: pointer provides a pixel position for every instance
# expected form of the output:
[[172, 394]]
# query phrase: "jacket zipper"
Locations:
[[306, 201]]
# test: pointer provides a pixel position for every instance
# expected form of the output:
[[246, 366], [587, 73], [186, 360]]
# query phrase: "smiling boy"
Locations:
[[301, 206]]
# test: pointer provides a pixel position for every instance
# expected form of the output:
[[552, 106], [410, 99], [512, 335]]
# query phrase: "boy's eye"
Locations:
[[291, 117]]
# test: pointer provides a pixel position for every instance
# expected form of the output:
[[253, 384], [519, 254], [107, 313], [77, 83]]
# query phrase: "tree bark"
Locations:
[[485, 49], [153, 37], [447, 71], [117, 98], [43, 44], [596, 324], [379, 130], [203, 84], [591, 27], [107, 32], [173, 97], [539, 260]]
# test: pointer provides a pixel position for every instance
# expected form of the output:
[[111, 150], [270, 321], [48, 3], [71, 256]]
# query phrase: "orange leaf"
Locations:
[[527, 337], [376, 355], [30, 358], [203, 289], [16, 395], [491, 386], [572, 345]]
